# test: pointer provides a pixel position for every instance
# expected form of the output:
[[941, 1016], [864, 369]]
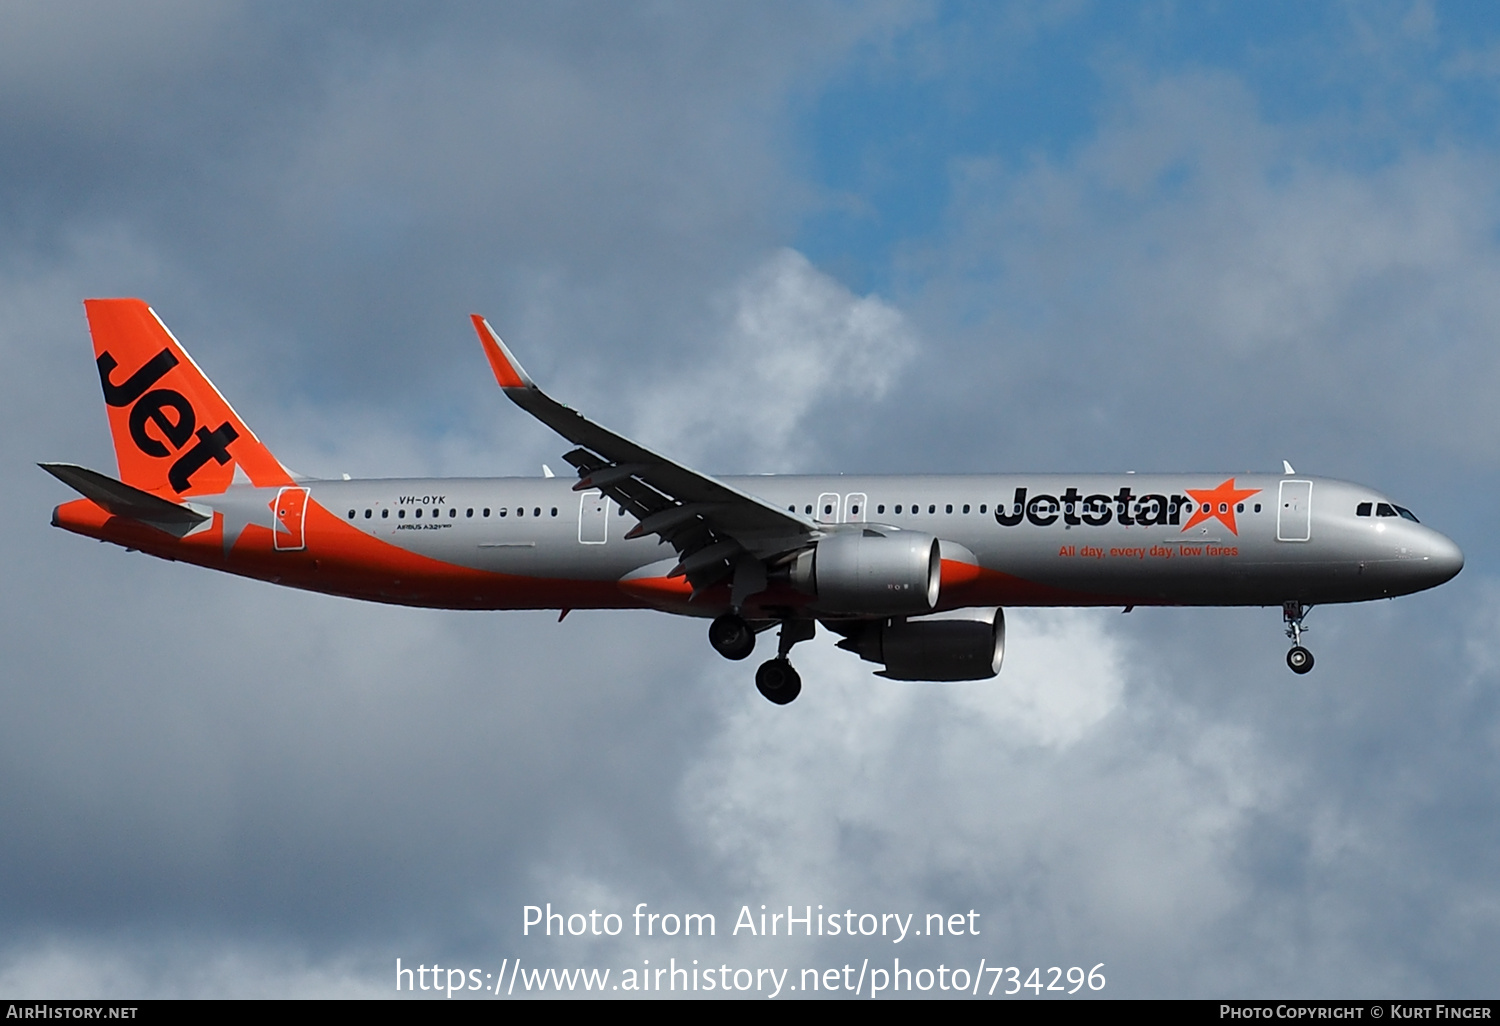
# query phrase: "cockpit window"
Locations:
[[1385, 509]]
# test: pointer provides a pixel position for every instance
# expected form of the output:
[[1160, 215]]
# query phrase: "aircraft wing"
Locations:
[[709, 523]]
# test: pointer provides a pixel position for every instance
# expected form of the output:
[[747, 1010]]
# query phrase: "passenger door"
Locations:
[[290, 508], [1294, 512]]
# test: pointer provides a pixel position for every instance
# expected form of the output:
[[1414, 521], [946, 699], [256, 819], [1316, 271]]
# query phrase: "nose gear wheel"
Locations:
[[1299, 659]]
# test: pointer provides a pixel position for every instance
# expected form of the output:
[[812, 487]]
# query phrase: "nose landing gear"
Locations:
[[1299, 659], [776, 679]]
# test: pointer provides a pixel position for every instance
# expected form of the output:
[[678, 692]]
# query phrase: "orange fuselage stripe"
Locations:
[[340, 559]]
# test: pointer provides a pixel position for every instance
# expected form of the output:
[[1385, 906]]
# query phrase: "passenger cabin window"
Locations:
[[1363, 509], [469, 512], [486, 511], [351, 514], [880, 508], [385, 514]]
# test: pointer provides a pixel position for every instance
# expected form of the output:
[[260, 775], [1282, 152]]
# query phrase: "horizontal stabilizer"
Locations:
[[122, 500]]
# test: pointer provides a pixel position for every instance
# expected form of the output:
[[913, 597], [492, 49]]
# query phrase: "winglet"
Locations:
[[507, 371]]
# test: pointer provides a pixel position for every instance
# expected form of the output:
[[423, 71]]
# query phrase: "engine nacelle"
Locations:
[[871, 573], [933, 649]]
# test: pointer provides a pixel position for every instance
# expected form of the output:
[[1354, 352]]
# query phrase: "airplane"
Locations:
[[912, 573]]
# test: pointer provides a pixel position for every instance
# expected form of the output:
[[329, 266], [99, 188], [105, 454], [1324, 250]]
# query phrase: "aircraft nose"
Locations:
[[1442, 558]]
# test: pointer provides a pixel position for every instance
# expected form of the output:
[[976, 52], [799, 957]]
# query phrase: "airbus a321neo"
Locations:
[[870, 558]]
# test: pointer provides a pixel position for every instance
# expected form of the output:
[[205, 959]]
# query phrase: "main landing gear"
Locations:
[[733, 638], [1299, 659], [776, 679]]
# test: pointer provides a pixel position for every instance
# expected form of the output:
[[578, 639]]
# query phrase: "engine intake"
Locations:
[[938, 650], [870, 573]]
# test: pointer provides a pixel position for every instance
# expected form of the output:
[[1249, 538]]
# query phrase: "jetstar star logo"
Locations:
[[1218, 504]]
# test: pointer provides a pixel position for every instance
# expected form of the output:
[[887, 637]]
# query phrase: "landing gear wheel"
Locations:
[[778, 681], [1299, 659], [1292, 613], [731, 637]]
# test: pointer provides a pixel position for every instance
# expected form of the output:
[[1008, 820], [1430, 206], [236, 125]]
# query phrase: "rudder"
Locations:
[[174, 434]]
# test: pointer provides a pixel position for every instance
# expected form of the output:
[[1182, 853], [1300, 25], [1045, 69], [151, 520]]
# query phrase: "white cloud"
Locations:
[[1075, 817], [1065, 677], [798, 342]]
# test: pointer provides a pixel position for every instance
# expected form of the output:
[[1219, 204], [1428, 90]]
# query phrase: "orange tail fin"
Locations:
[[174, 434]]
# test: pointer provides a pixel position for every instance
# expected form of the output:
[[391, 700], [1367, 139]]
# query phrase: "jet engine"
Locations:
[[939, 650], [871, 573]]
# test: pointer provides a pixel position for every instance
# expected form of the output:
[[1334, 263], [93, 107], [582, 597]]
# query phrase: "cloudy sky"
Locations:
[[807, 237]]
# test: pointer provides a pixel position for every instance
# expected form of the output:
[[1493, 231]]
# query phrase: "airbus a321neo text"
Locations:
[[869, 558]]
